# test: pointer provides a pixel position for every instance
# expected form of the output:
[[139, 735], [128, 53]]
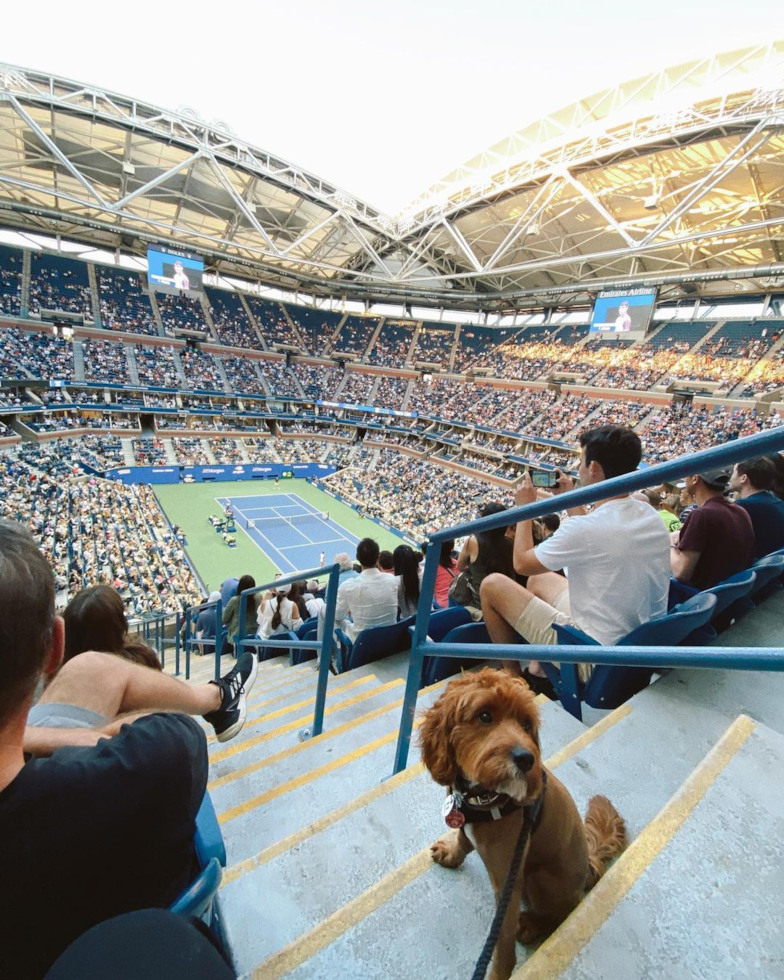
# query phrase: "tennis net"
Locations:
[[262, 523]]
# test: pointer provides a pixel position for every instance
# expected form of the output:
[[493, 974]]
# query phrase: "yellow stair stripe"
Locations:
[[305, 703], [249, 743], [304, 778], [301, 746], [562, 948], [304, 948], [279, 847], [322, 935], [364, 799]]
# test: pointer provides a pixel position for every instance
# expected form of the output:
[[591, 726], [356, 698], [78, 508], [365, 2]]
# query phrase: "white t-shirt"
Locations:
[[287, 619], [618, 562]]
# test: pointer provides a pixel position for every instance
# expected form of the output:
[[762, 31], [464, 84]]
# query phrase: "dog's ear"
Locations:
[[434, 739]]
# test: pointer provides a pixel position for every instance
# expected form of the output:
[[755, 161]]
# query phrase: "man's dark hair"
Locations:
[[367, 553], [616, 448], [386, 560], [761, 472], [552, 522], [26, 615]]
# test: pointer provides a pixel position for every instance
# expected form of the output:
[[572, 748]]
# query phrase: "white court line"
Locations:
[[290, 547], [256, 544]]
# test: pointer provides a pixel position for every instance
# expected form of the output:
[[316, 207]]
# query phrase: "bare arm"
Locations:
[[41, 741], [524, 557], [468, 554], [683, 563]]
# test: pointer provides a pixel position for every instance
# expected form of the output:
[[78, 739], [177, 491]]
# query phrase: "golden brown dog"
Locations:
[[481, 739]]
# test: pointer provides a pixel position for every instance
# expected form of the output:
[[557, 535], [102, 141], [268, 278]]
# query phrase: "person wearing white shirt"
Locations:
[[370, 598], [277, 613], [617, 559]]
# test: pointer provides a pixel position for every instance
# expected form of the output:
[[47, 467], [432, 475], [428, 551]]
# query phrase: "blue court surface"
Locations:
[[294, 546]]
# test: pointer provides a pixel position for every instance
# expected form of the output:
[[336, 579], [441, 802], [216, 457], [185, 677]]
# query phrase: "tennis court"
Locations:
[[289, 530]]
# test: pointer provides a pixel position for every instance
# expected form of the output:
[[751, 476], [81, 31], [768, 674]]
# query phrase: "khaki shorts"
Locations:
[[535, 624]]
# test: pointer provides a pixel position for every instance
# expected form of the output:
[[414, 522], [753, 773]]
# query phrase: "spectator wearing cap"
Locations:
[[717, 538], [277, 613], [753, 481]]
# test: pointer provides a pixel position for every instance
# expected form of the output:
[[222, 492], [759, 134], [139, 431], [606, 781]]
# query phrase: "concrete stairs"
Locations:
[[371, 400], [453, 351], [707, 336], [639, 756], [133, 367], [95, 299], [253, 321], [222, 372], [180, 369], [652, 916], [330, 343], [329, 871], [407, 395], [205, 305], [204, 445], [78, 359], [374, 337], [414, 341], [769, 355], [24, 303], [156, 312], [127, 449], [298, 338], [171, 455]]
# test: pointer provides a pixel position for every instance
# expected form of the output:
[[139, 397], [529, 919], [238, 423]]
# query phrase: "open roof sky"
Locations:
[[381, 101]]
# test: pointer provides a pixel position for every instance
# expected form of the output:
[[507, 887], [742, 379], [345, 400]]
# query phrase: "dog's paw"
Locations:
[[447, 852], [529, 928]]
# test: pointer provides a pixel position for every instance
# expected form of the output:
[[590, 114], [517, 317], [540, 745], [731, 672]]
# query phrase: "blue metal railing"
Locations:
[[192, 641], [736, 659], [322, 646]]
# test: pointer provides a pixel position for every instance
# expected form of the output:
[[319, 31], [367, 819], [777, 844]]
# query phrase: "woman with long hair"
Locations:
[[407, 570], [485, 553], [278, 613], [95, 620], [231, 614]]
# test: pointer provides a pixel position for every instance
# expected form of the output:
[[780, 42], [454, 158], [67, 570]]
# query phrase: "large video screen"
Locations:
[[624, 312], [174, 271]]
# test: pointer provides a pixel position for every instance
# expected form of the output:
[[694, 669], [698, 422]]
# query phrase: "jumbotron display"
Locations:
[[173, 271], [623, 312]]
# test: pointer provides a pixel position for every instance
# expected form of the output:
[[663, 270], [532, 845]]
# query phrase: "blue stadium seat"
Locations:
[[305, 632], [197, 899], [769, 571], [609, 687], [435, 669], [375, 643], [445, 620]]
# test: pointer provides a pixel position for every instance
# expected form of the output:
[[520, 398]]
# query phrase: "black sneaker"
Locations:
[[230, 717]]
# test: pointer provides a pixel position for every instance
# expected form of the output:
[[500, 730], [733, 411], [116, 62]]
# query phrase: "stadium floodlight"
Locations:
[[651, 202]]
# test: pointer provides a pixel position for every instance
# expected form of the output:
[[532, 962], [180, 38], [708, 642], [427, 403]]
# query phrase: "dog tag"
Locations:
[[451, 813]]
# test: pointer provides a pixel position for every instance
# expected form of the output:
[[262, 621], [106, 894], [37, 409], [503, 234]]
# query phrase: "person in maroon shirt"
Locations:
[[717, 539]]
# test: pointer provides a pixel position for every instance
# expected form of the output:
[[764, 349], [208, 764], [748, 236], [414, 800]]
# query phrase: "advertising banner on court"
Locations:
[[218, 473]]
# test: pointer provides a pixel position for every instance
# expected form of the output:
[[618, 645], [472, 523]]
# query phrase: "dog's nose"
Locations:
[[523, 759]]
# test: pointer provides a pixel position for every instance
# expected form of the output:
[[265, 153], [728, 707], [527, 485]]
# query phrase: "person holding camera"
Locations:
[[616, 561]]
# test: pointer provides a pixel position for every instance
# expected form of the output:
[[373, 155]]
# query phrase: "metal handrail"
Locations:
[[191, 640], [324, 645], [718, 456]]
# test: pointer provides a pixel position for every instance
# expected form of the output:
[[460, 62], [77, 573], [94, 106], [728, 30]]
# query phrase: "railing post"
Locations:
[[177, 640], [325, 656], [219, 639], [417, 655]]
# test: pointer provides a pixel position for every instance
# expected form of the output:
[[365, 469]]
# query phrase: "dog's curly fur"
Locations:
[[472, 730]]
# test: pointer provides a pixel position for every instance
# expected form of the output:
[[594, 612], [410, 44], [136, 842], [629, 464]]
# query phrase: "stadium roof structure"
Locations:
[[673, 179]]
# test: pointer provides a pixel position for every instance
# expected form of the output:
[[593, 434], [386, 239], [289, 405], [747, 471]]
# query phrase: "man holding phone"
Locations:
[[617, 559]]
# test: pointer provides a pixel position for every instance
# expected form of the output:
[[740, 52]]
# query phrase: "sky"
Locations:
[[380, 99]]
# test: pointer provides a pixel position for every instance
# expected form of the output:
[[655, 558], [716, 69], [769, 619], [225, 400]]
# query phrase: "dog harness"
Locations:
[[465, 805]]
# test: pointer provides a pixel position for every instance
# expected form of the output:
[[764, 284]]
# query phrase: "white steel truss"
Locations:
[[678, 174]]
